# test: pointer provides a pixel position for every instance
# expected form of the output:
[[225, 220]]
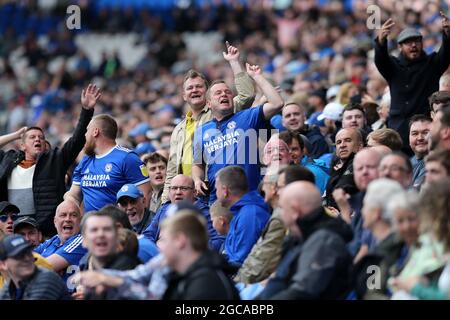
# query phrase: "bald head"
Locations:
[[348, 141], [382, 150], [67, 220], [365, 167], [297, 201], [67, 206], [181, 188]]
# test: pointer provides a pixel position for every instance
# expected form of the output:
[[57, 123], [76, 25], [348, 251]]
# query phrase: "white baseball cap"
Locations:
[[333, 91], [332, 111]]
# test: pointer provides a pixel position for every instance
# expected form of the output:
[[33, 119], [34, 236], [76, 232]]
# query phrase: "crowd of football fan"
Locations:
[[311, 163]]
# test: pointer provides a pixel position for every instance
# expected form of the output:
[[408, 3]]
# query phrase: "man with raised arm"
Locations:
[[194, 90], [232, 138], [414, 75], [34, 177]]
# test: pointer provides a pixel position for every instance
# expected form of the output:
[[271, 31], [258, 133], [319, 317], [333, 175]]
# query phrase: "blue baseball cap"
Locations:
[[139, 130], [129, 190], [144, 147]]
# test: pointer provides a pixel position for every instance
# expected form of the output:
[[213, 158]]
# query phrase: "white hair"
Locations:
[[378, 194], [386, 99], [408, 201]]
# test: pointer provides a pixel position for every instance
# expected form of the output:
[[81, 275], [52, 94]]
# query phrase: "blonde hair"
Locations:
[[387, 137], [217, 210], [344, 91]]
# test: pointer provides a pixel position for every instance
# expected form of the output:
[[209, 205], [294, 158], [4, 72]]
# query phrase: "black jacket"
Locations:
[[342, 178], [42, 285], [411, 82], [49, 175], [319, 145], [205, 279], [319, 266]]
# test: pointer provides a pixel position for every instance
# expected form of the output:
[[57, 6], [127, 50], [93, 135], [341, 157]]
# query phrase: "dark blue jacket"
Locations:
[[318, 142], [250, 215], [153, 229]]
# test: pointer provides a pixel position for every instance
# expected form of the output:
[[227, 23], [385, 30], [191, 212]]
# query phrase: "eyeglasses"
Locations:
[[4, 217], [182, 188]]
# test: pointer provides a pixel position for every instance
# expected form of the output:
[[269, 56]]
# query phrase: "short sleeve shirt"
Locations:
[[72, 251], [101, 177], [231, 141]]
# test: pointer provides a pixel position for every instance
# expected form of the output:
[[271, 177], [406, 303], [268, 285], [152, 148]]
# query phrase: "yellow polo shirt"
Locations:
[[186, 159]]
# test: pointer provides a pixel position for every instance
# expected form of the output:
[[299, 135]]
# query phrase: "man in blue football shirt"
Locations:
[[106, 167], [64, 250], [232, 139]]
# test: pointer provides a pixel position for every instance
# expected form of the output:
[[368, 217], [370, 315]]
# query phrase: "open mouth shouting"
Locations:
[[159, 178], [197, 98], [224, 101], [131, 214], [101, 246], [179, 198], [68, 229], [37, 146]]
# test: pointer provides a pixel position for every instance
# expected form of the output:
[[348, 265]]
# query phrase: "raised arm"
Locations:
[[10, 137], [74, 145], [74, 194], [445, 23], [274, 102], [382, 59], [244, 84], [443, 55]]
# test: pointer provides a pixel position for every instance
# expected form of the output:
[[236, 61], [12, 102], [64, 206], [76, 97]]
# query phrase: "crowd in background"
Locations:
[[357, 176]]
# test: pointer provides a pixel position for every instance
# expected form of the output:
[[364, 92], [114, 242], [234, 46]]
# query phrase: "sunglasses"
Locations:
[[4, 217]]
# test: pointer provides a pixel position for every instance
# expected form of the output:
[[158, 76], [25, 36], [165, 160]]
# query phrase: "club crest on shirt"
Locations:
[[231, 125], [206, 136], [144, 170], [108, 167]]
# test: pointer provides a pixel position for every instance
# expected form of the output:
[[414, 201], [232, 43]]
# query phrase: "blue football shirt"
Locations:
[[101, 177], [72, 251], [231, 141]]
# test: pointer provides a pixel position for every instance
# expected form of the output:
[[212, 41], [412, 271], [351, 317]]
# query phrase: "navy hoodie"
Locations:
[[250, 215]]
